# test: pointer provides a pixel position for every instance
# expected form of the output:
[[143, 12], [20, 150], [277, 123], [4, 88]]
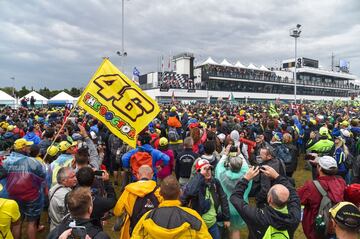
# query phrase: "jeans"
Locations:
[[214, 231]]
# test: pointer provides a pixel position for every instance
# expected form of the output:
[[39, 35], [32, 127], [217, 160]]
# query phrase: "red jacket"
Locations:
[[311, 198]]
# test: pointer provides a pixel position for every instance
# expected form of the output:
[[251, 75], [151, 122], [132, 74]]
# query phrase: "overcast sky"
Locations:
[[60, 44]]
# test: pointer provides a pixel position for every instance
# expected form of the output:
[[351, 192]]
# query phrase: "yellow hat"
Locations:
[[4, 125], [21, 143], [163, 141], [65, 145], [173, 109], [345, 123], [52, 150], [242, 112], [10, 128]]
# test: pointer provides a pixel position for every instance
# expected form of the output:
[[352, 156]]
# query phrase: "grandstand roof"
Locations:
[[252, 66], [238, 64], [225, 63], [209, 61], [263, 68]]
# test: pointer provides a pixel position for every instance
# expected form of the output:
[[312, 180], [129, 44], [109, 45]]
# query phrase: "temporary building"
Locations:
[[40, 100], [263, 68], [238, 64], [252, 67], [225, 63], [6, 99], [209, 61], [61, 99]]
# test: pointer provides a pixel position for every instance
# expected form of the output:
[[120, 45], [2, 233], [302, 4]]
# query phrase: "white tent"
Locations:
[[40, 100], [209, 61], [225, 63], [6, 99], [263, 68], [238, 64], [252, 67], [61, 99]]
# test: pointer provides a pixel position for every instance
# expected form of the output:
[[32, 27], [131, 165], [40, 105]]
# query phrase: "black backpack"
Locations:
[[142, 206]]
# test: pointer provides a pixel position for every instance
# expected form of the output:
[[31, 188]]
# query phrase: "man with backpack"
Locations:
[[143, 155], [319, 196], [137, 198]]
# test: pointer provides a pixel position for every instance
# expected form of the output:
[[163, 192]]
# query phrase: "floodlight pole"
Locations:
[[295, 33]]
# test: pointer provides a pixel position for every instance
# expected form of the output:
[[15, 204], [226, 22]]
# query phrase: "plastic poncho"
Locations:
[[228, 180]]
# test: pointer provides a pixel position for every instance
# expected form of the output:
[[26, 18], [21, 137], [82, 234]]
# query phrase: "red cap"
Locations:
[[201, 163]]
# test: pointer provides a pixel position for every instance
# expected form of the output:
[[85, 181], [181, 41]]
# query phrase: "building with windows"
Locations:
[[211, 81]]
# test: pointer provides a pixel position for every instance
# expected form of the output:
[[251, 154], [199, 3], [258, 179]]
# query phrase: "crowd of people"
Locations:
[[198, 171]]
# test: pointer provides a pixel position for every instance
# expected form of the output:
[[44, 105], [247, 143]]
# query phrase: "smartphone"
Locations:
[[78, 232], [99, 173]]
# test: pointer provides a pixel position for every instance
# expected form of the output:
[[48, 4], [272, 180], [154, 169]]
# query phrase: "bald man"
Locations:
[[282, 214], [137, 198]]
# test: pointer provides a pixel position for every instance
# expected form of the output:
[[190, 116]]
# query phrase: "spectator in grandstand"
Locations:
[[229, 171], [205, 195], [25, 176], [155, 155], [80, 204], [66, 180], [137, 198], [282, 214], [184, 162], [311, 197], [170, 220], [104, 197], [345, 218], [10, 220]]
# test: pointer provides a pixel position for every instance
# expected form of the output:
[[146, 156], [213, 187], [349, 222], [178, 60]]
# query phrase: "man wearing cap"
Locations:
[[345, 218], [323, 146], [24, 182], [206, 196], [310, 197], [65, 159]]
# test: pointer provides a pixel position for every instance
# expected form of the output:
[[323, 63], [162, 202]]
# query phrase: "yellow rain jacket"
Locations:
[[171, 221], [127, 201]]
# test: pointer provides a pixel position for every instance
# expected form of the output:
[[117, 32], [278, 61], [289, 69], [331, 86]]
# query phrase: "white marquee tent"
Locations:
[[40, 100], [238, 64], [61, 99], [6, 99], [252, 67], [225, 63], [263, 68], [209, 61]]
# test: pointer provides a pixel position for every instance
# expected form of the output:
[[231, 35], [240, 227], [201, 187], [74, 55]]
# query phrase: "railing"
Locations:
[[278, 79]]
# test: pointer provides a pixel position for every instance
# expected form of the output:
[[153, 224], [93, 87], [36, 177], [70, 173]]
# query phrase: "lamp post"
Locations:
[[295, 33], [122, 53]]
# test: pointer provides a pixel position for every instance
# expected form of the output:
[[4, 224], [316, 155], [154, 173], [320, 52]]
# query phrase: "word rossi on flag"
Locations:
[[118, 102]]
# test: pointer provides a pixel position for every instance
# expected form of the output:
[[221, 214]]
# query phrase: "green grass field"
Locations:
[[300, 176]]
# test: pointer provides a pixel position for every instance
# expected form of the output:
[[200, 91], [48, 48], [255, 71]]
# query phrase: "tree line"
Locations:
[[46, 92]]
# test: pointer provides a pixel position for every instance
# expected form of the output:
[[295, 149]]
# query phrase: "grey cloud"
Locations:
[[60, 44]]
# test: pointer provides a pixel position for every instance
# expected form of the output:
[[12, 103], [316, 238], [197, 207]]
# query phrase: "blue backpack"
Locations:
[[283, 153]]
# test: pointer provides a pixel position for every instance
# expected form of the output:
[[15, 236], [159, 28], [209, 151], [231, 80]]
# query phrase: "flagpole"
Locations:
[[61, 128]]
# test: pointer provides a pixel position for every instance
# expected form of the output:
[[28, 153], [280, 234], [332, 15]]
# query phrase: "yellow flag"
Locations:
[[118, 102]]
